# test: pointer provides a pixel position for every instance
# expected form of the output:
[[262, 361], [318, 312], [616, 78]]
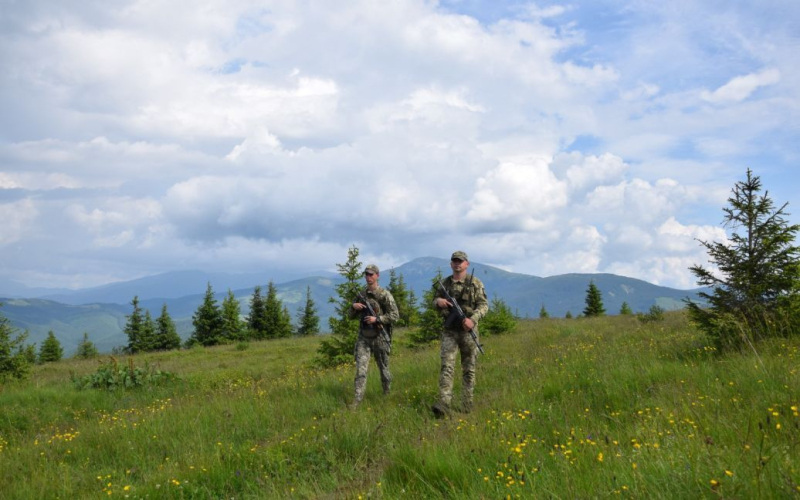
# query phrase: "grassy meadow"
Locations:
[[580, 408]]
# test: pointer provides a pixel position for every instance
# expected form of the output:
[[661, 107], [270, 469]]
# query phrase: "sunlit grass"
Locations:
[[569, 408]]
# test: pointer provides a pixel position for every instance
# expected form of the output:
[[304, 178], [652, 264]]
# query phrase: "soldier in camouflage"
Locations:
[[375, 332], [471, 296]]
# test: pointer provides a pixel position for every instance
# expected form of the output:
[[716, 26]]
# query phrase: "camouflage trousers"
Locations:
[[365, 348], [454, 342]]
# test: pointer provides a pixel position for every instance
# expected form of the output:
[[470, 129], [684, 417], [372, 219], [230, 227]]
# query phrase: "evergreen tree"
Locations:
[[307, 318], [625, 309], [207, 321], [232, 325], [86, 349], [413, 309], [14, 363], [29, 352], [403, 298], [430, 324], [756, 289], [51, 349], [338, 348], [594, 302], [148, 337], [257, 328], [543, 313], [285, 326], [568, 315], [277, 320], [499, 319], [167, 337], [134, 328]]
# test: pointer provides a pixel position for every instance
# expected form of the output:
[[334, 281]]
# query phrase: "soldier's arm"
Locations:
[[481, 303], [390, 312], [438, 294]]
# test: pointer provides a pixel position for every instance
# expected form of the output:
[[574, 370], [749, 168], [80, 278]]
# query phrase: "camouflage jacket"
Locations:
[[383, 303], [470, 294]]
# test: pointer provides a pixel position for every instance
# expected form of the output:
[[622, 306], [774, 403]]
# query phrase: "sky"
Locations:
[[603, 136]]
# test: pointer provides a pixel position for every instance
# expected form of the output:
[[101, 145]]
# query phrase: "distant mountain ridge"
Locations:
[[105, 316]]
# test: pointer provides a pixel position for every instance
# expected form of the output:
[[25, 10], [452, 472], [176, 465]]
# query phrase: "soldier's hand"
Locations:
[[358, 306], [442, 303], [468, 324], [370, 320]]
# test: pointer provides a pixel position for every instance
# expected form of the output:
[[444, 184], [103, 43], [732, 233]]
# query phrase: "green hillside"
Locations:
[[582, 408], [103, 322]]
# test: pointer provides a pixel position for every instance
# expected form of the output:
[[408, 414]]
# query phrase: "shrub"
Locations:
[[111, 376], [656, 313], [499, 319]]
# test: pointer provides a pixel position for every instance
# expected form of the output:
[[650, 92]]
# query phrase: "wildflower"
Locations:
[[729, 473], [600, 457]]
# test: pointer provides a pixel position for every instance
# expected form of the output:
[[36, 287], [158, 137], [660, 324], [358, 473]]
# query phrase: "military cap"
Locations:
[[459, 255], [372, 268]]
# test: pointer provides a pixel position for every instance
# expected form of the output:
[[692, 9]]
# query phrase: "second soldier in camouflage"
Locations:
[[374, 334]]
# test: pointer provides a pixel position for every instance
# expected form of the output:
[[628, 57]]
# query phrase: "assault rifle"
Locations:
[[381, 330], [456, 313]]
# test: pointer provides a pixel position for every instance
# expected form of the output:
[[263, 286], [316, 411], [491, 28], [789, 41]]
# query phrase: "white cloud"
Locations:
[[741, 87], [18, 219], [142, 134], [518, 195]]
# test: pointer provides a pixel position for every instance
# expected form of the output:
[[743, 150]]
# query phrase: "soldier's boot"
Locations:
[[440, 410]]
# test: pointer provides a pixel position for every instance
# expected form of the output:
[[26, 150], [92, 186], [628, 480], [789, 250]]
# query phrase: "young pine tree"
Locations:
[[148, 337], [413, 309], [86, 349], [14, 363], [277, 321], [307, 318], [625, 310], [543, 314], [256, 326], [499, 319], [594, 302], [167, 337], [755, 288], [403, 298], [338, 348], [51, 349], [233, 328], [207, 321], [134, 328], [429, 325]]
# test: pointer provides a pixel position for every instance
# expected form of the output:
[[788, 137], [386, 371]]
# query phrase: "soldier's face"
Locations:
[[371, 278], [458, 265]]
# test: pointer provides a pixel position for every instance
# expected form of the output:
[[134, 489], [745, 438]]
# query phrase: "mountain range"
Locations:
[[101, 311]]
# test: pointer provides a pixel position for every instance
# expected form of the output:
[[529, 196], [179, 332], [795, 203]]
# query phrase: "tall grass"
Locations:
[[564, 408]]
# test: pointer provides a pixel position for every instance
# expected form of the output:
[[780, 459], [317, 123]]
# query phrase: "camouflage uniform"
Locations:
[[371, 341], [471, 296]]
